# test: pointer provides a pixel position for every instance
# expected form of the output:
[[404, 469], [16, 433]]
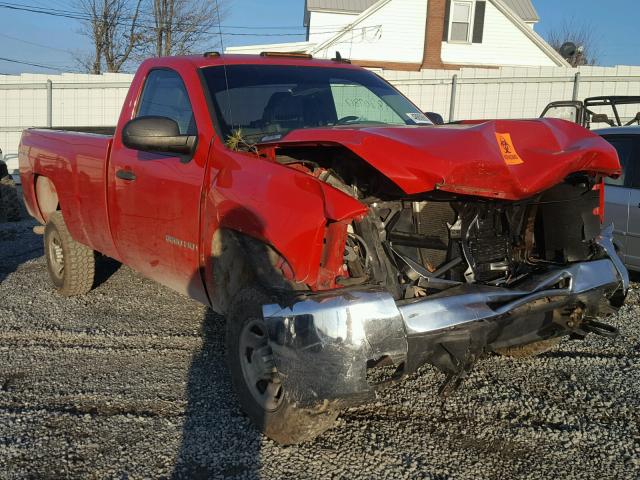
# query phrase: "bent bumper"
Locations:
[[324, 344]]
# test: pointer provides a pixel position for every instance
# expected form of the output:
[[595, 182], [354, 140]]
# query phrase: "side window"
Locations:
[[165, 95], [627, 148]]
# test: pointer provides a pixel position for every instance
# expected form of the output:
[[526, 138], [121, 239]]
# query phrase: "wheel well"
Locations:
[[239, 261], [46, 196]]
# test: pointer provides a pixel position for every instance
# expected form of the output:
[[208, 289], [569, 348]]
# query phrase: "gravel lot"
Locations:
[[130, 382]]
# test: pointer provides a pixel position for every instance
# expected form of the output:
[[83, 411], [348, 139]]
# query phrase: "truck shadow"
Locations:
[[218, 439], [105, 268], [18, 244]]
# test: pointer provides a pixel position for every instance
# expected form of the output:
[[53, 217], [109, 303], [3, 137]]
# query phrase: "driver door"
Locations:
[[155, 197]]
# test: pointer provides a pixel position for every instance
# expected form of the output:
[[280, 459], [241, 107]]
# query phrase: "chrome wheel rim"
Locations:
[[258, 366], [56, 254]]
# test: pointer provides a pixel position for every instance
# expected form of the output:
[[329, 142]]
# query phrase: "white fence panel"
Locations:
[[512, 92], [34, 100]]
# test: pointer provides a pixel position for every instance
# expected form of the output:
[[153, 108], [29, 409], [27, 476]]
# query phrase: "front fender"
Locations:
[[280, 206]]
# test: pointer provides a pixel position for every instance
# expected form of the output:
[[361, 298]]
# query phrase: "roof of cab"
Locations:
[[201, 61]]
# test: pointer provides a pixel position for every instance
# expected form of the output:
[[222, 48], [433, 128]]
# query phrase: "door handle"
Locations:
[[126, 175]]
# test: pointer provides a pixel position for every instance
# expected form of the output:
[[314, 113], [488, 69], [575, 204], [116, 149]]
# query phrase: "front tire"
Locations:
[[71, 265], [255, 380]]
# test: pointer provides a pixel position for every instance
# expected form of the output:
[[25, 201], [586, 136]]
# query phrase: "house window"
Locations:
[[464, 21], [460, 28]]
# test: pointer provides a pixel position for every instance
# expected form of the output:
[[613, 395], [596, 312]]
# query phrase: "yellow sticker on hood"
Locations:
[[507, 149]]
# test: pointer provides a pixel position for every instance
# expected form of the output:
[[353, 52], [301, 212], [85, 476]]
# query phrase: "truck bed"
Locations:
[[75, 161]]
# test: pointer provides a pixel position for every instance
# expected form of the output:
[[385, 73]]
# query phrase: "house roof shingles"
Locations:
[[523, 8]]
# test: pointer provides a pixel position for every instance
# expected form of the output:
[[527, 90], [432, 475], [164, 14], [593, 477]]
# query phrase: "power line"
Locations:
[[50, 11], [33, 43], [76, 15], [31, 64]]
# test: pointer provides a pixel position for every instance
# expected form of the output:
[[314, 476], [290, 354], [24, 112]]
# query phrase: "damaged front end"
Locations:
[[324, 345], [442, 278]]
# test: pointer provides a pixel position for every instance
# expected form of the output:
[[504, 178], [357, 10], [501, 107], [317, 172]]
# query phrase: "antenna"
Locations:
[[224, 65], [338, 58]]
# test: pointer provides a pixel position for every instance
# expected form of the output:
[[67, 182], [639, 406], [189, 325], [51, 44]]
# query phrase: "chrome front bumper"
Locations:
[[323, 344]]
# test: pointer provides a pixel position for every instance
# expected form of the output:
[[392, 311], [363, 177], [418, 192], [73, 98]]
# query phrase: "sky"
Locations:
[[55, 41]]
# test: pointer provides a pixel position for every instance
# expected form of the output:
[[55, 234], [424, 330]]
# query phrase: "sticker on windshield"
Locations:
[[418, 117], [507, 149]]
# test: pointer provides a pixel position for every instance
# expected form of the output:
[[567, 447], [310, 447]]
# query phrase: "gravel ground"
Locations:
[[129, 381]]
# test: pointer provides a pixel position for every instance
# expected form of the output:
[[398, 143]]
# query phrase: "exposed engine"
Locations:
[[419, 245]]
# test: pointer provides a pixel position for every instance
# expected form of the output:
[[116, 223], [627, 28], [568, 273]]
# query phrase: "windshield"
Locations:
[[264, 102]]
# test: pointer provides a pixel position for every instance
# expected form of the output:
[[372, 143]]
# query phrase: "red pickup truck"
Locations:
[[346, 238]]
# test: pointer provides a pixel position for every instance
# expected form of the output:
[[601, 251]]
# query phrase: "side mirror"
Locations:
[[435, 118], [157, 134]]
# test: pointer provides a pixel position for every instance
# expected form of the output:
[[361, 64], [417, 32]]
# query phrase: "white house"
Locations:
[[417, 34]]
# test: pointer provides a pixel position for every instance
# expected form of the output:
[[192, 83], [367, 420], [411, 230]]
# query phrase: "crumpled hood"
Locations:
[[509, 159]]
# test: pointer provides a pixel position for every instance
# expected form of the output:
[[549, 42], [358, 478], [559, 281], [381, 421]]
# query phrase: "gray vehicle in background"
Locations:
[[622, 195]]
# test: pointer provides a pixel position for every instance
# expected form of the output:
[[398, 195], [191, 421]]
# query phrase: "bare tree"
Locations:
[[180, 27], [93, 29], [121, 37], [114, 28], [127, 30], [583, 35]]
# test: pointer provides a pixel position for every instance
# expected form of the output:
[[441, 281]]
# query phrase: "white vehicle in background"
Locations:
[[9, 202]]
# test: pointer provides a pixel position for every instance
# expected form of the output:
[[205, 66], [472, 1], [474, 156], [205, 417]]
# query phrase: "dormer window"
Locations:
[[464, 22]]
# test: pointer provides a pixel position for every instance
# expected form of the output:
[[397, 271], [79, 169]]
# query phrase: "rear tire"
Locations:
[[71, 265], [254, 376], [9, 201]]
